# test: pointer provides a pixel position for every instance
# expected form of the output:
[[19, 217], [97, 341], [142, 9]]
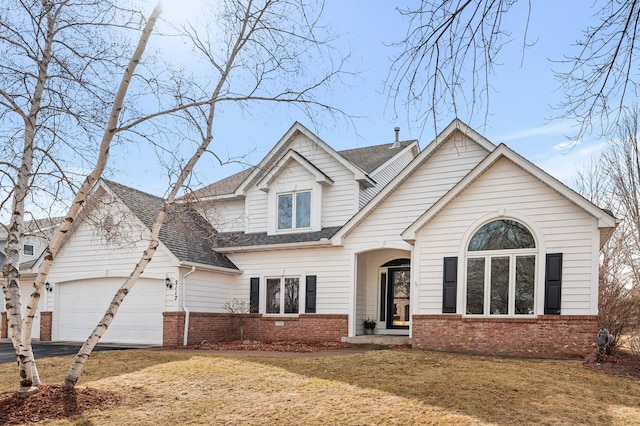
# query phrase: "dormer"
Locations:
[[294, 188]]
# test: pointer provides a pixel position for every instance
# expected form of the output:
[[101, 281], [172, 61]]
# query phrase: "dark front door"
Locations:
[[398, 288]]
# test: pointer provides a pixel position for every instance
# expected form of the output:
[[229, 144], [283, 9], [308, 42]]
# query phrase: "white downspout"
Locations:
[[185, 338]]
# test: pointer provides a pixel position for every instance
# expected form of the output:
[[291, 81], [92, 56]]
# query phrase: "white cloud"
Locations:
[[563, 128], [565, 161]]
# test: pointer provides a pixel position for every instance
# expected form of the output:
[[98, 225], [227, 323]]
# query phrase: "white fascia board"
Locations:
[[223, 197], [292, 155], [204, 267], [502, 151], [425, 154], [270, 247]]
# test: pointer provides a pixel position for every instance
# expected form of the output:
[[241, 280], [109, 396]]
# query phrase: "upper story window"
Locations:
[[294, 210], [500, 270], [27, 249]]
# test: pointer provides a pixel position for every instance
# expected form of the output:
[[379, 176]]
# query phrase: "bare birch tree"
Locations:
[[451, 50], [613, 181], [267, 46], [54, 66]]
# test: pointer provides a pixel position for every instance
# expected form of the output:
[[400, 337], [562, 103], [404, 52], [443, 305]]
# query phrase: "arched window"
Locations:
[[500, 270]]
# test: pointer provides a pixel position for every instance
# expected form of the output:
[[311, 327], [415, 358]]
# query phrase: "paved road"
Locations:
[[46, 350]]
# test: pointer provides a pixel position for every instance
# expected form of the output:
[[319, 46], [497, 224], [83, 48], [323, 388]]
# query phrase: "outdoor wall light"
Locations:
[[48, 287], [4, 289], [168, 283]]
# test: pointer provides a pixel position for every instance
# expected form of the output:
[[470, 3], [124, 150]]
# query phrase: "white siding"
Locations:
[[208, 291], [89, 254], [330, 265], [384, 175], [451, 161], [558, 226], [256, 210], [226, 215]]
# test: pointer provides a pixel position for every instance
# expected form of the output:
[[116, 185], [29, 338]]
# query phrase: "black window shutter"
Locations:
[[553, 284], [254, 295], [310, 297], [450, 285]]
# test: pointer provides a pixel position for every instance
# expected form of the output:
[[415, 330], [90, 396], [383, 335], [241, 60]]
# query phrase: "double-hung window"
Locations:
[[500, 270], [283, 295], [294, 210]]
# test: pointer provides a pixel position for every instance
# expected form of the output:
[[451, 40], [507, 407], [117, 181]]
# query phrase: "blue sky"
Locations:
[[522, 98]]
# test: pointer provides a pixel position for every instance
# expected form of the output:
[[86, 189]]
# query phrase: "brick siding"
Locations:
[[547, 336], [215, 327], [4, 328], [172, 329], [45, 326]]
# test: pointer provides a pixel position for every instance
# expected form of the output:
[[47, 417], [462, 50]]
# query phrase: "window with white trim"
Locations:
[[283, 295], [500, 270], [294, 210]]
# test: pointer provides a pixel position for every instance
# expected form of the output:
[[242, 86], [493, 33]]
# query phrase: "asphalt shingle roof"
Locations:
[[370, 158], [44, 228], [366, 158], [184, 232], [222, 187], [240, 239]]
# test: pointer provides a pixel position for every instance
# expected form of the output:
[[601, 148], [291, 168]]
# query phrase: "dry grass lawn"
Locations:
[[375, 387]]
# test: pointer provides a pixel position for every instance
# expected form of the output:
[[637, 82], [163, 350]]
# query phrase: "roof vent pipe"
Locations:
[[396, 144]]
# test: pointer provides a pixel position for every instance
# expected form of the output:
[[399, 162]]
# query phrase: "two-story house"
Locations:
[[462, 246]]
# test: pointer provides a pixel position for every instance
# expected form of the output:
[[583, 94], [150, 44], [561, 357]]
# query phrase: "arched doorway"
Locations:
[[395, 294]]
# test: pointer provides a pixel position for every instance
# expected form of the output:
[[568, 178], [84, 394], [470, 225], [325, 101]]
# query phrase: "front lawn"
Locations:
[[374, 387]]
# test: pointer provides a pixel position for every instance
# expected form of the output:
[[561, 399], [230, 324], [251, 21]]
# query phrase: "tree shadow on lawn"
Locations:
[[492, 389], [101, 364]]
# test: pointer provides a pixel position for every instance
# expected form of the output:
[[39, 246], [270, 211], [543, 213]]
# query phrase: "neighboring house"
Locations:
[[463, 246], [37, 234]]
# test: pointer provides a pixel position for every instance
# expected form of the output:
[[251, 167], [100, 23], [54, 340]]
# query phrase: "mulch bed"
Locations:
[[620, 364], [53, 402], [286, 346]]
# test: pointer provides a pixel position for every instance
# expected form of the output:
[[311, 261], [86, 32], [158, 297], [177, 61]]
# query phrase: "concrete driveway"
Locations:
[[46, 350]]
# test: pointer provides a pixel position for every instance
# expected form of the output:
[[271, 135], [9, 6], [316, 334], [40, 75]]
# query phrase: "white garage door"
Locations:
[[81, 304]]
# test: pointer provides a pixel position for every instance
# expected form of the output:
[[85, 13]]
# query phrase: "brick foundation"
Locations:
[[4, 328], [215, 327], [45, 326], [172, 329], [547, 336], [303, 328]]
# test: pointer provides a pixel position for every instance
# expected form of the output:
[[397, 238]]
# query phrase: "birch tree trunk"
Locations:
[[25, 354], [28, 372]]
